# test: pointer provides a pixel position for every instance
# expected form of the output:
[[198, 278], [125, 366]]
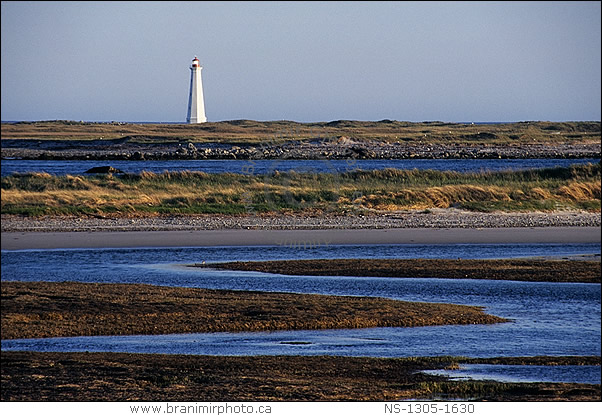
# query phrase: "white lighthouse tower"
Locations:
[[196, 103]]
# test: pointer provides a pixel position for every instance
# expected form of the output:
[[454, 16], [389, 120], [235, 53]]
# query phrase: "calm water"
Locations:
[[165, 266], [547, 318], [517, 373], [63, 167]]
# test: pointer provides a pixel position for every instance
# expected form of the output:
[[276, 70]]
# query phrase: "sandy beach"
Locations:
[[295, 238]]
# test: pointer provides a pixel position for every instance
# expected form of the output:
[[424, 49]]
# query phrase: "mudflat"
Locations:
[[58, 309], [39, 376]]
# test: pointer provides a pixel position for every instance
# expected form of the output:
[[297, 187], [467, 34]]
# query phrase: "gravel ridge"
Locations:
[[433, 218]]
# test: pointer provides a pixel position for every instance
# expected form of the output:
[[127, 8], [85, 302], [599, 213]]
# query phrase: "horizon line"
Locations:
[[284, 120]]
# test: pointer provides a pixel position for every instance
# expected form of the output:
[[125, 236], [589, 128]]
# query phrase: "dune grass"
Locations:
[[187, 193]]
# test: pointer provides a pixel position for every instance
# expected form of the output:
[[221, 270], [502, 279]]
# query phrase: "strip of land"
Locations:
[[248, 139], [51, 309], [240, 131], [534, 270], [573, 188], [431, 219], [296, 238], [37, 376]]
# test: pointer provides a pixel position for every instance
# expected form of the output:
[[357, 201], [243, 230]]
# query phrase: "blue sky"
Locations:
[[302, 61]]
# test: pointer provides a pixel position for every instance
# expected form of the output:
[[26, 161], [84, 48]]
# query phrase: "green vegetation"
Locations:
[[189, 193], [257, 132]]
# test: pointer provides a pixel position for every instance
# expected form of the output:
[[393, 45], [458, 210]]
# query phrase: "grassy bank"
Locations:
[[48, 309], [34, 376], [147, 194], [257, 132], [491, 269]]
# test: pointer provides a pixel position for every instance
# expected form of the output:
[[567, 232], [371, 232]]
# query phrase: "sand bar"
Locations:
[[295, 238]]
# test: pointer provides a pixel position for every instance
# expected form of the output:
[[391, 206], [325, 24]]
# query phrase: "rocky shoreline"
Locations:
[[340, 148], [434, 218]]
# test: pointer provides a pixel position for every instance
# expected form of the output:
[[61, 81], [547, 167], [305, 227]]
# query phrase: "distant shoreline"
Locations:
[[340, 139], [292, 121], [347, 149]]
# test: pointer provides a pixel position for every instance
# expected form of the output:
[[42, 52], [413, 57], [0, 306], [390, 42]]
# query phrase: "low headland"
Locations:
[[341, 139]]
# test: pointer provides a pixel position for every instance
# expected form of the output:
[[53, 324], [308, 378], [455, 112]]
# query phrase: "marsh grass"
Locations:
[[49, 309], [474, 390], [43, 376], [185, 193], [491, 269]]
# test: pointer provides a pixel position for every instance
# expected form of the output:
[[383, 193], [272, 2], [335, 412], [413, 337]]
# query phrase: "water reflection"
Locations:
[[523, 373]]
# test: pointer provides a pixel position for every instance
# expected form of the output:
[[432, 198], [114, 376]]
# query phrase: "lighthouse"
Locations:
[[196, 104]]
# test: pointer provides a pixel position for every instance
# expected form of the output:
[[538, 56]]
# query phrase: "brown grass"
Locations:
[[492, 269], [581, 191], [34, 376], [148, 194], [49, 309]]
